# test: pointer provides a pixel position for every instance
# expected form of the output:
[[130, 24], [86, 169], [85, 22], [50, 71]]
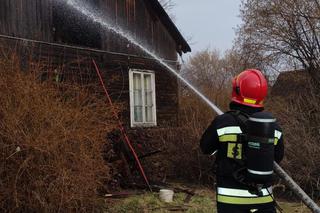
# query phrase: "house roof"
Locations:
[[291, 83], [182, 45]]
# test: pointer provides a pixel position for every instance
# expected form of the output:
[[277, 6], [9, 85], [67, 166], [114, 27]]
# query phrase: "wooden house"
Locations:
[[59, 35], [65, 39]]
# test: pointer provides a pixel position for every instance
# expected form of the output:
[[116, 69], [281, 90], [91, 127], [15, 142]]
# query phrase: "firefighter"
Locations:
[[246, 140]]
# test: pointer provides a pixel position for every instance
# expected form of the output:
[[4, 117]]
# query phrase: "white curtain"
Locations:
[[148, 98], [137, 97]]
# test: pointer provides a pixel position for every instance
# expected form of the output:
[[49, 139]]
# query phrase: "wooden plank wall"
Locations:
[[26, 18], [76, 67], [34, 19], [132, 16]]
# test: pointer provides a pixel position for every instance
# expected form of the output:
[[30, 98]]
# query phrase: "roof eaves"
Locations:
[[182, 44]]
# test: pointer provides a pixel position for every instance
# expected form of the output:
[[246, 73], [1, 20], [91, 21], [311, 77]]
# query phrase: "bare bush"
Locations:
[[180, 159], [209, 72], [299, 116], [51, 142]]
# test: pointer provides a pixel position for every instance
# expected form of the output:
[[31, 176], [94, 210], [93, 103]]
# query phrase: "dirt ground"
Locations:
[[202, 202]]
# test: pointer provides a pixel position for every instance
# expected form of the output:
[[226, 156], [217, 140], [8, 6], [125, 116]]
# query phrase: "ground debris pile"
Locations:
[[51, 142]]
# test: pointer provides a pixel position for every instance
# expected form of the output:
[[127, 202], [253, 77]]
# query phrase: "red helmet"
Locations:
[[249, 88]]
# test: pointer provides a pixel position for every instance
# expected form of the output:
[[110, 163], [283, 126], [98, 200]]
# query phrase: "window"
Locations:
[[142, 98]]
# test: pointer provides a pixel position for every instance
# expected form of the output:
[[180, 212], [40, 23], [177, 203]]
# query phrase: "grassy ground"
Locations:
[[202, 202], [150, 202]]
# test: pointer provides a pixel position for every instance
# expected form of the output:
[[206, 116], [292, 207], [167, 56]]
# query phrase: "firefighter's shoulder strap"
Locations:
[[240, 117]]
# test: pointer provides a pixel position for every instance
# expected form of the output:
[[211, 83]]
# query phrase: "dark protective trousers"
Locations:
[[229, 208]]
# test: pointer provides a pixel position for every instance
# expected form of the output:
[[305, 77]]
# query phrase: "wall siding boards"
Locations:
[[76, 66]]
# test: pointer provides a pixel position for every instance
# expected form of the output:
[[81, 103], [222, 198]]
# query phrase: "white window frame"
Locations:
[[154, 108]]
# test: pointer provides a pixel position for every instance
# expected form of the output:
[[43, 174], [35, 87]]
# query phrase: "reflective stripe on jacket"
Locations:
[[230, 135], [242, 196]]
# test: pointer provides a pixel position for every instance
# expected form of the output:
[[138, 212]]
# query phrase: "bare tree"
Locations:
[[167, 4], [211, 72], [288, 32], [276, 31], [205, 69]]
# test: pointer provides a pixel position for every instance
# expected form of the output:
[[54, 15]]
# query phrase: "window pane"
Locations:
[[148, 114], [148, 98], [138, 114], [137, 97], [147, 82], [136, 81]]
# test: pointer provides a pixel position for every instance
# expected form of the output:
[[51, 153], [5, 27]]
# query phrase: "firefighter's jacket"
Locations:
[[220, 136]]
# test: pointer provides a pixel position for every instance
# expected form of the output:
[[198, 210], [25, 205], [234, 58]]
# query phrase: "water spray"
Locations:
[[94, 17], [84, 10]]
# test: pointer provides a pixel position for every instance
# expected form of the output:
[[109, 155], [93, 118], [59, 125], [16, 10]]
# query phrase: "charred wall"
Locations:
[[72, 28], [26, 18], [47, 20], [42, 21], [144, 25]]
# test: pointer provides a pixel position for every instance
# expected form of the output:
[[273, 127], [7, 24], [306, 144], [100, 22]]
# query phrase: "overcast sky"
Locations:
[[209, 23]]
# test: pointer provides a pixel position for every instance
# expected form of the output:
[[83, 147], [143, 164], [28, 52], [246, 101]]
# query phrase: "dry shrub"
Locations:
[[196, 114], [183, 157], [52, 138], [299, 116]]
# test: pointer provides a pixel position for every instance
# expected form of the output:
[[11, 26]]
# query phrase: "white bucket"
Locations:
[[166, 195]]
